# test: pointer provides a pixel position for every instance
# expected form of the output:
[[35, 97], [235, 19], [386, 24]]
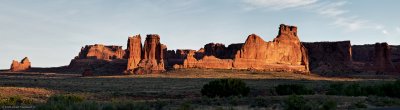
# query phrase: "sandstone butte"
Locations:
[[24, 65], [283, 53]]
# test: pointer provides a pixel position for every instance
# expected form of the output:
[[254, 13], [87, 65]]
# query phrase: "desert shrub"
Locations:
[[259, 102], [15, 100], [383, 101], [336, 89], [186, 106], [295, 102], [62, 102], [353, 90], [385, 89], [225, 88], [329, 105], [289, 89], [65, 99]]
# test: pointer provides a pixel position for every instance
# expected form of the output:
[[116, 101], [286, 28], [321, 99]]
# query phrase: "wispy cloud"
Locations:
[[333, 10], [279, 4], [351, 23]]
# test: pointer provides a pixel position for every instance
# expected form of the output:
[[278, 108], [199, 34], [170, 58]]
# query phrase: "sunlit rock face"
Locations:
[[153, 56], [284, 53], [24, 65], [100, 51], [134, 52]]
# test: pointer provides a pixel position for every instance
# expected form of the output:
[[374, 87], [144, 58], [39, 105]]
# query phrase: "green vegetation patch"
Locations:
[[225, 88]]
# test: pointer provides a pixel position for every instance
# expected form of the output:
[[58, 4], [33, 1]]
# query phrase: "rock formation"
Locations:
[[396, 56], [24, 65], [285, 53], [134, 52], [382, 61], [286, 50], [100, 59], [329, 56], [99, 51], [153, 55], [375, 57]]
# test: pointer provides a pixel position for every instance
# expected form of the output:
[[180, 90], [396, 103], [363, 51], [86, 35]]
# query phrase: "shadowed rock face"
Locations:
[[376, 57], [382, 59], [24, 65], [329, 56], [396, 56], [284, 53], [342, 57], [99, 59], [99, 51], [134, 51]]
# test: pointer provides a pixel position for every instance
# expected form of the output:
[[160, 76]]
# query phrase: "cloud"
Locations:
[[351, 23], [398, 29], [279, 4], [332, 9]]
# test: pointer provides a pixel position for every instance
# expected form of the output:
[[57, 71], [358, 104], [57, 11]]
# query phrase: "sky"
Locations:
[[52, 32]]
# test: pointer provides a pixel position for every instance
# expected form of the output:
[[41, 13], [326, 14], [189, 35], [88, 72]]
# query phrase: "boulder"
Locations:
[[24, 65]]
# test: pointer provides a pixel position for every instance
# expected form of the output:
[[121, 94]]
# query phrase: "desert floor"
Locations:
[[180, 89]]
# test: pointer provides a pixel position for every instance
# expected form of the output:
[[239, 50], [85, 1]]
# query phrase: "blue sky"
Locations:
[[51, 32]]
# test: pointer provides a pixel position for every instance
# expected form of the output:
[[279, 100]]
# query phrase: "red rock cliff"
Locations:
[[382, 60], [284, 51], [153, 55], [99, 51], [329, 56], [134, 52]]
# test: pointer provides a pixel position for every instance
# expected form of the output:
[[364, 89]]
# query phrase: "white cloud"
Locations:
[[279, 4], [351, 23], [332, 9], [398, 29]]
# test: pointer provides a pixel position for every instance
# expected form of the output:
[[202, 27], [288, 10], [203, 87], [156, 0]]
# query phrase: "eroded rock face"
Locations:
[[24, 65], [396, 56], [99, 59], [329, 56], [376, 57], [382, 60], [99, 51], [285, 53], [285, 50], [134, 52], [153, 55]]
